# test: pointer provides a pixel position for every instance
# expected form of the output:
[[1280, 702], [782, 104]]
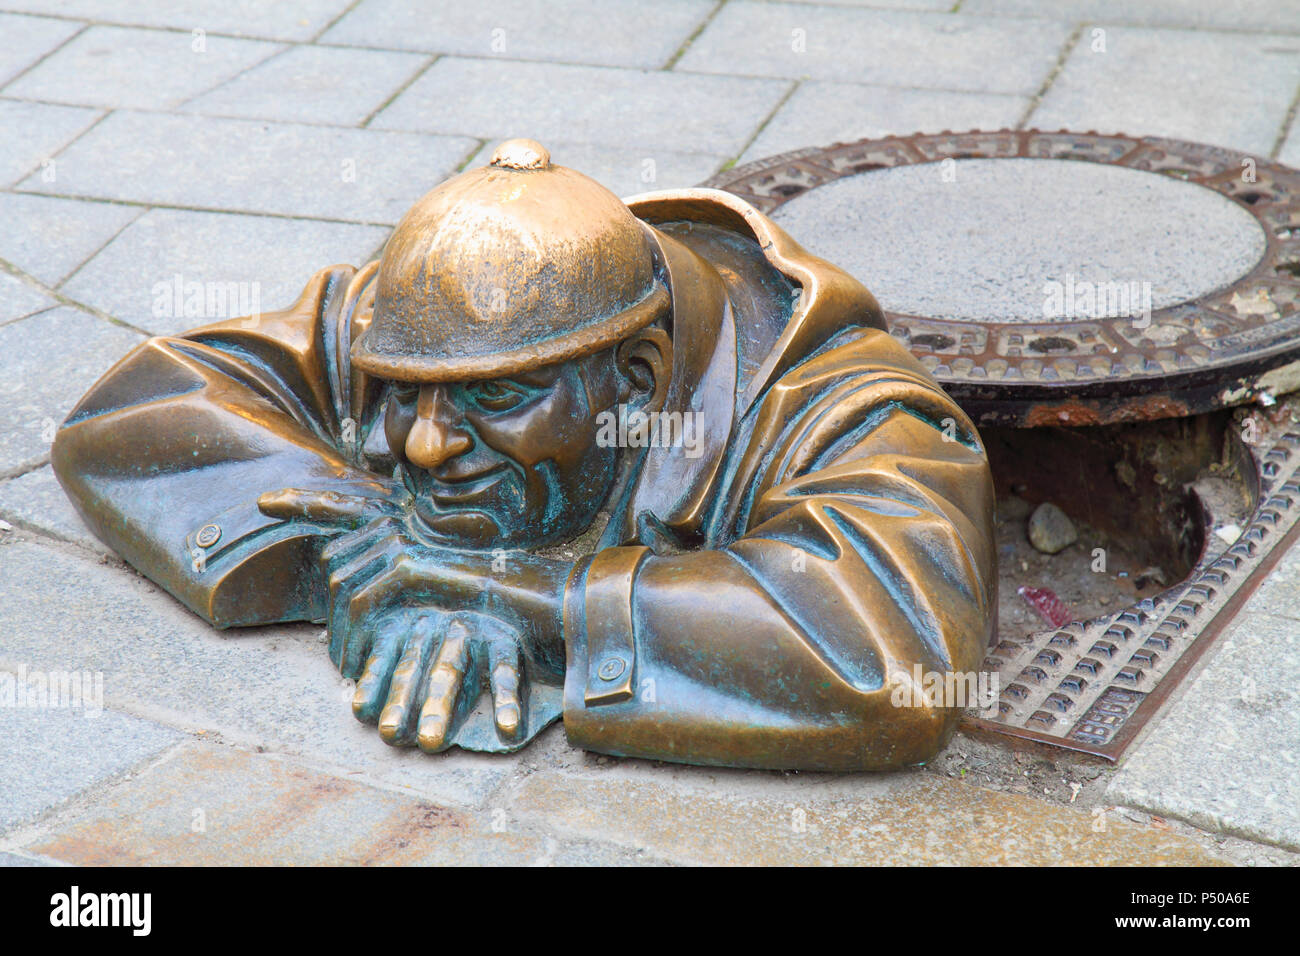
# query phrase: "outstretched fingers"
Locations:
[[446, 677], [398, 716], [506, 676], [372, 688]]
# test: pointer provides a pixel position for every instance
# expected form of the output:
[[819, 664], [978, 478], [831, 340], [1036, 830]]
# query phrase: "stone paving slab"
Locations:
[[47, 362], [1229, 90], [49, 755], [218, 806], [1224, 14], [1225, 756], [273, 687], [280, 20], [36, 500], [898, 48], [126, 67], [253, 166], [821, 113], [49, 238], [1276, 597], [18, 298], [312, 84], [45, 130], [24, 40], [15, 859], [585, 104], [941, 6], [616, 33], [625, 172], [721, 817], [269, 259]]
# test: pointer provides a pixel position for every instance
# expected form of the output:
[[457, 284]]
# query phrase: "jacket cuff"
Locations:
[[599, 630]]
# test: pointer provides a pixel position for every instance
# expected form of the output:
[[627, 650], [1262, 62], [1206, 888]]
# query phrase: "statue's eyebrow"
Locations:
[[546, 375]]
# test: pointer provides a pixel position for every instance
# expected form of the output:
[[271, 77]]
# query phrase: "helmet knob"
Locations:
[[521, 154]]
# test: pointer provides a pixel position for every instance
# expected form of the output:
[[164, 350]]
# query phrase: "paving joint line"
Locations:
[[41, 59], [700, 28], [1288, 122], [1067, 50], [415, 76], [65, 299], [761, 126]]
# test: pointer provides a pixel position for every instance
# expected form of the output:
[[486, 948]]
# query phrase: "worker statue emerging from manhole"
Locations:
[[650, 466]]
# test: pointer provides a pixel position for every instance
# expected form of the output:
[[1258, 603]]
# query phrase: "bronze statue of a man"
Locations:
[[650, 466]]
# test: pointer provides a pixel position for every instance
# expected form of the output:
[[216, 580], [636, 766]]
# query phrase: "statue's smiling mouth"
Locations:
[[461, 491]]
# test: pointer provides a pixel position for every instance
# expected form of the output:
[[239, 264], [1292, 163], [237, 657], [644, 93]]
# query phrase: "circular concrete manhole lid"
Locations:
[[1061, 278]]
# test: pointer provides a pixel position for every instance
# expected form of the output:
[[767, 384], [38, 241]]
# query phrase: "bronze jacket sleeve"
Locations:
[[186, 432], [861, 547]]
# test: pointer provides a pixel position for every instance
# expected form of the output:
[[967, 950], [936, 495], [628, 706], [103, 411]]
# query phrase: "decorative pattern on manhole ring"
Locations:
[[1227, 345]]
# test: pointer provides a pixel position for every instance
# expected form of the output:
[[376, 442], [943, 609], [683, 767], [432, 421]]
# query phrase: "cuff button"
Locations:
[[611, 668]]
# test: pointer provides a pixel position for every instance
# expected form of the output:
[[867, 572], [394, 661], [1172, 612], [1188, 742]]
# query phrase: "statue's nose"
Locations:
[[434, 437]]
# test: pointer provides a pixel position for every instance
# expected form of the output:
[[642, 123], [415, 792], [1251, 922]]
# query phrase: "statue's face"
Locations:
[[511, 462]]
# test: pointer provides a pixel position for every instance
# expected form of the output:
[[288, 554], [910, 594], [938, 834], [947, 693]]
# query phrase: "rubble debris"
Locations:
[[1050, 607], [1050, 529]]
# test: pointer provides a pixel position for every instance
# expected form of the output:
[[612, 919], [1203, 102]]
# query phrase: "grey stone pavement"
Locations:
[[144, 145]]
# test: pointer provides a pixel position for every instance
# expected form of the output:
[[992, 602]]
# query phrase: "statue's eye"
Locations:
[[496, 396]]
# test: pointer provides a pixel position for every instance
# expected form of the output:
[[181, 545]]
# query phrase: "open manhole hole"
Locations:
[[1099, 305]]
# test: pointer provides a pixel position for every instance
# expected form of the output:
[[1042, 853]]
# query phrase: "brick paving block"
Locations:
[[272, 686], [281, 20], [620, 33], [48, 754], [125, 67], [313, 84], [47, 362], [585, 104], [244, 264], [18, 299], [45, 130], [48, 237], [625, 172], [887, 47], [1224, 755], [24, 40], [1228, 89], [358, 175], [1234, 15], [819, 114], [37, 500], [707, 816]]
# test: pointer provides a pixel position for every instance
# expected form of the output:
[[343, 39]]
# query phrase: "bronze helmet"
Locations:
[[506, 267]]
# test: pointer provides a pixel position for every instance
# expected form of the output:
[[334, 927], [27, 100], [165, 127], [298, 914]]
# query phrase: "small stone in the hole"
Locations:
[[1050, 529]]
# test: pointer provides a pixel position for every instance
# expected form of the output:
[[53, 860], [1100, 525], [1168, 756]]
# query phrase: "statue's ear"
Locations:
[[645, 360]]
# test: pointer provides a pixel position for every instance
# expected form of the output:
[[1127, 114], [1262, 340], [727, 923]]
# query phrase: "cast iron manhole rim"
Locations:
[[1099, 371]]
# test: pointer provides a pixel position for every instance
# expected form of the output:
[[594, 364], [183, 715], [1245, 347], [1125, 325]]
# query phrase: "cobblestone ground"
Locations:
[[143, 145]]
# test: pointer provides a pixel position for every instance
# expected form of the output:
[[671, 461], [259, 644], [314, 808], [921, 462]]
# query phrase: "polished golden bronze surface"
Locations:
[[646, 465]]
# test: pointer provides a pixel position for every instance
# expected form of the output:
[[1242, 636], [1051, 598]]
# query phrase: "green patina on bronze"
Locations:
[[418, 453]]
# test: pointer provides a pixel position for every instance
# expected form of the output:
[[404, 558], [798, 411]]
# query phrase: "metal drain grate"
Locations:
[[1091, 686]]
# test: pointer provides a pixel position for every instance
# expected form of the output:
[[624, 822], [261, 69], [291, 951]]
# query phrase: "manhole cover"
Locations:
[[1149, 278]]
